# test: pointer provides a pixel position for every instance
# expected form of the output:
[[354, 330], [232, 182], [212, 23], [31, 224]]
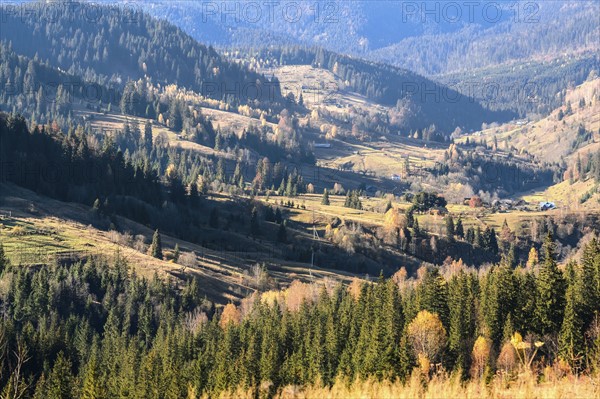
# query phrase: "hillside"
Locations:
[[407, 101], [68, 233], [284, 215], [494, 51], [568, 137], [436, 40], [571, 129], [531, 88], [111, 46]]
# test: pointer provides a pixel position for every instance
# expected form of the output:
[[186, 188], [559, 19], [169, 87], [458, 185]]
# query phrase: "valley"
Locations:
[[193, 206]]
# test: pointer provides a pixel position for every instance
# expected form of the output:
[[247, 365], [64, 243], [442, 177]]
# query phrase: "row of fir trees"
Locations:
[[98, 330]]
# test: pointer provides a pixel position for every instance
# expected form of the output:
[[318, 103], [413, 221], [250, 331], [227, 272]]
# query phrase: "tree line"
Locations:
[[94, 330]]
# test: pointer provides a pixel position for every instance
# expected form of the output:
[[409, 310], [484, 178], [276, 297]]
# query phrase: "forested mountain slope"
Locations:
[[431, 39], [529, 87], [418, 102], [108, 45]]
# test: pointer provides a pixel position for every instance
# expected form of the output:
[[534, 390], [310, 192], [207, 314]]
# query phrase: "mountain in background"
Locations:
[[428, 38], [111, 46], [477, 49]]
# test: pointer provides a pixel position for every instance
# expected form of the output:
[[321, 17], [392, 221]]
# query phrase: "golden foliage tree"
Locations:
[[427, 336], [480, 356], [231, 315], [507, 360], [534, 258]]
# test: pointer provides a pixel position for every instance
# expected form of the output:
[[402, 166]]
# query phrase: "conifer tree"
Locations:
[[470, 236], [254, 224], [460, 332], [533, 257], [282, 187], [550, 291], [433, 295], [479, 239], [588, 283], [3, 259], [500, 296], [156, 248], [194, 195], [489, 241], [450, 228], [410, 218], [459, 229], [325, 200], [570, 339], [289, 188], [148, 137], [176, 252], [60, 381], [416, 228], [92, 385], [508, 330]]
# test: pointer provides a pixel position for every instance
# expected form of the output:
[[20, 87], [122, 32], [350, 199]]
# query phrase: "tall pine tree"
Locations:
[[550, 291]]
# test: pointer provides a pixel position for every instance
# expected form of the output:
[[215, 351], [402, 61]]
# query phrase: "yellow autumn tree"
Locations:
[[171, 172], [534, 258], [427, 336], [507, 359], [355, 288], [480, 356], [393, 222], [230, 315]]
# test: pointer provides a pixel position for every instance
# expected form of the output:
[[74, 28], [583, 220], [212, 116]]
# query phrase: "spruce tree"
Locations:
[[325, 200], [550, 291], [589, 281], [459, 229], [289, 188], [148, 137], [156, 248], [459, 334], [479, 239], [416, 228], [92, 384], [410, 218], [3, 259], [470, 236], [450, 228], [570, 339], [278, 216], [433, 295], [176, 252], [508, 330], [60, 381]]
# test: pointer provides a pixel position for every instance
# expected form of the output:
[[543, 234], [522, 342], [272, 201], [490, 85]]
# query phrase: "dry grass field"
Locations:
[[40, 230], [110, 123], [447, 387]]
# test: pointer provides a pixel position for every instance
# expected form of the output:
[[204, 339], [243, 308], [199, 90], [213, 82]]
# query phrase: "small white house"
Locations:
[[546, 206]]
